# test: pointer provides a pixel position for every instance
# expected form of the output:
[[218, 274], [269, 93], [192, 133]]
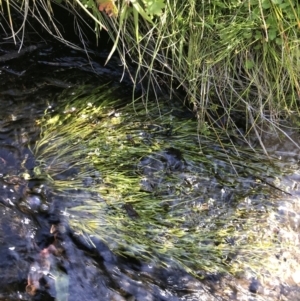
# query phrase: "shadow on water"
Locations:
[[42, 257]]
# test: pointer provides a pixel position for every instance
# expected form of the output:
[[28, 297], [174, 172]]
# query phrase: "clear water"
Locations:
[[33, 220]]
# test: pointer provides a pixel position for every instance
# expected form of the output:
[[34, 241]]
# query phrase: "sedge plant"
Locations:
[[232, 61]]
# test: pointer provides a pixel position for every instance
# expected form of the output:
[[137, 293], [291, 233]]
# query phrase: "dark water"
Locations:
[[42, 258], [32, 220]]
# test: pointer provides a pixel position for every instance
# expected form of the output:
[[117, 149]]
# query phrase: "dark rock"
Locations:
[[255, 286]]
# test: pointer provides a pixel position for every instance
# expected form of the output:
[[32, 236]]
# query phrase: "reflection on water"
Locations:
[[43, 258]]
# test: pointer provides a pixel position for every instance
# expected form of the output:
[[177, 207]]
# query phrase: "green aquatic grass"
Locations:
[[184, 220]]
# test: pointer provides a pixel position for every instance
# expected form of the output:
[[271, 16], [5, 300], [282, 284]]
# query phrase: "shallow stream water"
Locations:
[[43, 258]]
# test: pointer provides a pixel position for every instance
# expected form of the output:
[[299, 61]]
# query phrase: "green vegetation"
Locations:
[[232, 59], [145, 188]]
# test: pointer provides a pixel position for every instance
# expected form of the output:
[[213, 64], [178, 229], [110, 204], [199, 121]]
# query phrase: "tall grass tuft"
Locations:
[[235, 62]]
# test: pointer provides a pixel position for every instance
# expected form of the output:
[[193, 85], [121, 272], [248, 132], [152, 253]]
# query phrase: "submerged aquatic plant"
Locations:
[[138, 181]]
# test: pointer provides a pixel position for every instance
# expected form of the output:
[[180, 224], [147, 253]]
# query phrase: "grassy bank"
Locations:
[[236, 62]]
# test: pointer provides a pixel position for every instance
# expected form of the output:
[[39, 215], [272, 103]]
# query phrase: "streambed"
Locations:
[[50, 252]]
